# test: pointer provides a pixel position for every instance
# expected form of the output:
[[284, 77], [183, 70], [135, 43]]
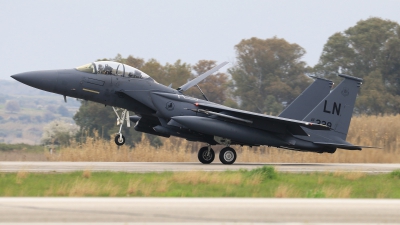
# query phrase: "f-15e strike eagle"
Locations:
[[316, 121]]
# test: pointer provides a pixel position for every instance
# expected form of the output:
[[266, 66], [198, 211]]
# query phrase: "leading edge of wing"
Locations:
[[312, 126]]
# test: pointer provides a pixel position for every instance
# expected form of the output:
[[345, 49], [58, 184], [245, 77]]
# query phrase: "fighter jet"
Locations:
[[316, 121]]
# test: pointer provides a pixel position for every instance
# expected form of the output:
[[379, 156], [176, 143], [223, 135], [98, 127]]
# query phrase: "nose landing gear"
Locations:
[[119, 138]]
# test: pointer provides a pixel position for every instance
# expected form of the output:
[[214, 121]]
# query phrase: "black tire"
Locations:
[[204, 158], [227, 155], [119, 142]]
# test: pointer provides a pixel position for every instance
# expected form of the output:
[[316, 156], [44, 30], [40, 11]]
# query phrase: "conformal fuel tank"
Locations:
[[236, 132]]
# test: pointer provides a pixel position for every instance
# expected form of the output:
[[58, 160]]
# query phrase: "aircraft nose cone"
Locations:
[[45, 80], [22, 77]]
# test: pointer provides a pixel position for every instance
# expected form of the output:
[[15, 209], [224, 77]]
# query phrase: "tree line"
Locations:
[[269, 73]]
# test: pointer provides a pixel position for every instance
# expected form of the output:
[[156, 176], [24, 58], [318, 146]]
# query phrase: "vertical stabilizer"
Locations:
[[308, 99], [336, 109]]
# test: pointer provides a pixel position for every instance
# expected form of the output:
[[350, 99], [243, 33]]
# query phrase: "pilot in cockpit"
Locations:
[[108, 69], [100, 69], [130, 74]]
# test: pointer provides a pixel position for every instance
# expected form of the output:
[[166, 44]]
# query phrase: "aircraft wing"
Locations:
[[200, 77], [260, 121]]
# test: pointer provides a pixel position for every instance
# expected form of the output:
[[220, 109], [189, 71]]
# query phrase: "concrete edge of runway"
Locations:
[[143, 167], [115, 210]]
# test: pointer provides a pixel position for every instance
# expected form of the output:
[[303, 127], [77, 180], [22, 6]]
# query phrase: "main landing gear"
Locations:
[[206, 155], [119, 138], [227, 155]]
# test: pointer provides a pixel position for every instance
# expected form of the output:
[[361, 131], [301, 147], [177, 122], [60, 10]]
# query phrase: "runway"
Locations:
[[195, 210], [199, 210], [190, 166]]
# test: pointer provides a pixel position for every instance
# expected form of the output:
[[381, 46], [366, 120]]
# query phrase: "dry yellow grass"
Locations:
[[136, 186], [163, 186], [133, 187], [21, 175], [81, 188], [349, 175], [255, 180], [382, 131], [86, 174], [96, 149], [331, 192], [284, 191], [200, 177]]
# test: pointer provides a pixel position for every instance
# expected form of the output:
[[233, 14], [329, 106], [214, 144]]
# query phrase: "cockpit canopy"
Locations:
[[113, 68]]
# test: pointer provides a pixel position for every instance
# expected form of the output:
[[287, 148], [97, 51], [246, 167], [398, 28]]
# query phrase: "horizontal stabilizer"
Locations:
[[344, 146], [198, 79]]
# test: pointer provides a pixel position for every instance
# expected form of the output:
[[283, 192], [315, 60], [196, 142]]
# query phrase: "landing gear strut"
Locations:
[[206, 155], [119, 138]]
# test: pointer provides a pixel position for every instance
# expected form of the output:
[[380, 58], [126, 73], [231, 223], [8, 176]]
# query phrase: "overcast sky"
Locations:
[[37, 35]]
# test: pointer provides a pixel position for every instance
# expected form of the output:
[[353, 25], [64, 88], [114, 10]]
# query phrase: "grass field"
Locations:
[[261, 182], [382, 131]]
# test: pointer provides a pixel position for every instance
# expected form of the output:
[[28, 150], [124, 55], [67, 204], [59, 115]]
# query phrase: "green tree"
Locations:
[[375, 97], [130, 60], [95, 117], [176, 74], [268, 72], [155, 70], [370, 50]]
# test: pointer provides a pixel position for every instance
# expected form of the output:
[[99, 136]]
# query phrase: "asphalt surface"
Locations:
[[195, 210], [192, 210], [190, 166]]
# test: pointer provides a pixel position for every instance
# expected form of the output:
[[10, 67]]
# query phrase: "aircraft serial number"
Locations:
[[318, 121]]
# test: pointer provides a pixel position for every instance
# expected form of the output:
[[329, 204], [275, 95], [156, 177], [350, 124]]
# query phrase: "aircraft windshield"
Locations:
[[112, 68], [87, 68]]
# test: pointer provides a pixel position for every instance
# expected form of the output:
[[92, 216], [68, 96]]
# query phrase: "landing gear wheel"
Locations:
[[119, 141], [206, 157], [227, 155]]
